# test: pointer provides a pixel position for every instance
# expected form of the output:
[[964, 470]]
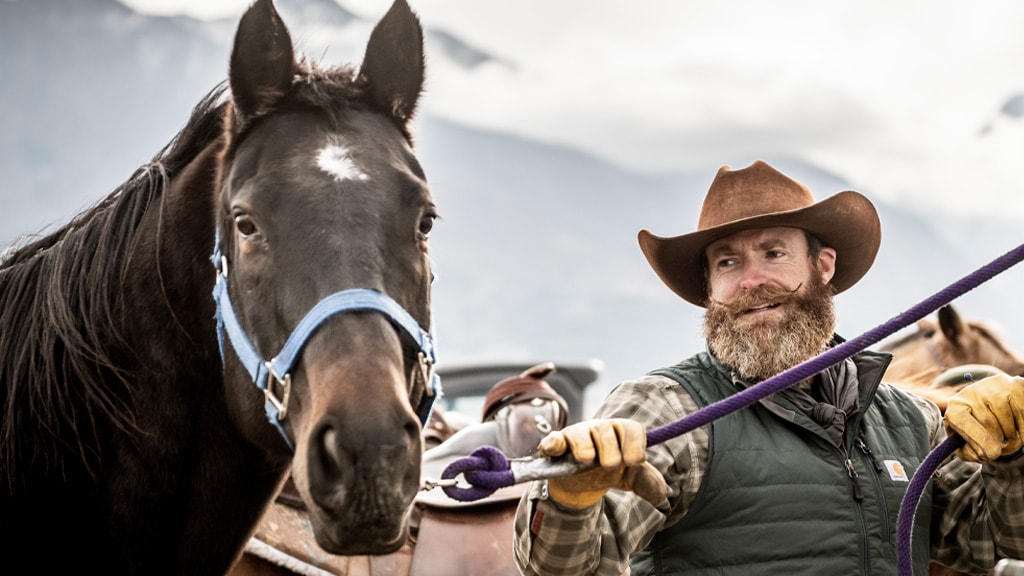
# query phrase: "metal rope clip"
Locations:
[[527, 469], [431, 484]]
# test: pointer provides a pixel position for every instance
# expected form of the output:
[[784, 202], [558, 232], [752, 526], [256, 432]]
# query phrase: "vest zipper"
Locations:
[[858, 496], [851, 471], [879, 468], [867, 451]]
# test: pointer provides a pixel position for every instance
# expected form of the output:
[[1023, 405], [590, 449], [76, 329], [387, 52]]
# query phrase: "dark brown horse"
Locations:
[[147, 424]]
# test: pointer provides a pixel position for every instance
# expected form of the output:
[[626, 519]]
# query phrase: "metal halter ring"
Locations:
[[423, 370], [286, 390]]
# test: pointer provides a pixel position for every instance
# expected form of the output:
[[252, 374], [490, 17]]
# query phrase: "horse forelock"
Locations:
[[333, 90], [58, 297], [336, 90]]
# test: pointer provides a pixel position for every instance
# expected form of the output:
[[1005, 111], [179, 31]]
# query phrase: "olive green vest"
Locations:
[[778, 496]]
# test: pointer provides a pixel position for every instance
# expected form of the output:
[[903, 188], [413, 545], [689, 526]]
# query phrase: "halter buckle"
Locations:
[[286, 391], [424, 370]]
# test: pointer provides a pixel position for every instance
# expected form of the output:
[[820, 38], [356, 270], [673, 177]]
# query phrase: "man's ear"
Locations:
[[826, 264]]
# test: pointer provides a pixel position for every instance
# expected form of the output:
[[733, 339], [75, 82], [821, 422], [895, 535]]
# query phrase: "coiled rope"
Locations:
[[487, 469]]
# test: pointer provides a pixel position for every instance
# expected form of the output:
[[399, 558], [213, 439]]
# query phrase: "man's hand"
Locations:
[[989, 415], [617, 445]]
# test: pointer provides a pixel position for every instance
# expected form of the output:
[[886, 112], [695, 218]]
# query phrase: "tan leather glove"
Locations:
[[618, 446], [989, 415]]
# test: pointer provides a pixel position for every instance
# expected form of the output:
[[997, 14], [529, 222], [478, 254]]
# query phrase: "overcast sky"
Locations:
[[900, 98]]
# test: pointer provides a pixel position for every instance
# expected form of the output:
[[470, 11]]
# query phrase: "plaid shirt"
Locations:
[[972, 503]]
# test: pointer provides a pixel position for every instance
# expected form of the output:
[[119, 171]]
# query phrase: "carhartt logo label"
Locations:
[[896, 470]]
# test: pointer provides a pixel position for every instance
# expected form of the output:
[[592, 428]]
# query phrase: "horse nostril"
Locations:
[[412, 429], [329, 443], [325, 455]]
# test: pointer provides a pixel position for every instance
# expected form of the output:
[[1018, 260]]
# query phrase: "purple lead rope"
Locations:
[[487, 469], [908, 508]]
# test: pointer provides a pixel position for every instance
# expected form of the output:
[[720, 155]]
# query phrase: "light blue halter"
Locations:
[[264, 373]]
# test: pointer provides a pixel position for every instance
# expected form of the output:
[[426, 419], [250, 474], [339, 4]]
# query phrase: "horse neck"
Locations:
[[168, 282], [1016, 368], [993, 351], [1008, 362]]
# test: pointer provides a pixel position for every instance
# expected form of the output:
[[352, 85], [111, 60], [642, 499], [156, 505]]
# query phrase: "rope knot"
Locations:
[[486, 469]]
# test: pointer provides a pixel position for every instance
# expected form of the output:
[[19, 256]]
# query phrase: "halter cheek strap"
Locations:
[[276, 373]]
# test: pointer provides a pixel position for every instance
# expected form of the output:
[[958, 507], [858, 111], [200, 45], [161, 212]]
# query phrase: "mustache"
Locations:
[[758, 297]]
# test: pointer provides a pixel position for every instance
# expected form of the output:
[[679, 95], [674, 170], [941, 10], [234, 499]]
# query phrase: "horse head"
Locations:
[[323, 218], [924, 360]]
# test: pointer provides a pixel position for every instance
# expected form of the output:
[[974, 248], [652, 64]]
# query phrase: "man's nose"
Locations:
[[752, 275]]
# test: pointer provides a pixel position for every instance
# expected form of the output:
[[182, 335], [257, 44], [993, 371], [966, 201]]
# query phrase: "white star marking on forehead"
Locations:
[[335, 160]]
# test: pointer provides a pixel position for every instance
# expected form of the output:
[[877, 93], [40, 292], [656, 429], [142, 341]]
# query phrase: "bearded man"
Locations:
[[808, 481]]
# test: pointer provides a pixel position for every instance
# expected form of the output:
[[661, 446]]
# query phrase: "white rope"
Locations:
[[261, 549]]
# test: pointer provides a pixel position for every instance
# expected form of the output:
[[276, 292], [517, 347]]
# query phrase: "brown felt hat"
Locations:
[[760, 196]]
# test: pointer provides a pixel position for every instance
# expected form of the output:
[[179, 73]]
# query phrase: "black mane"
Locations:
[[57, 297]]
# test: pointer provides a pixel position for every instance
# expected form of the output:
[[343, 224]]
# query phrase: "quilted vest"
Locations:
[[780, 497]]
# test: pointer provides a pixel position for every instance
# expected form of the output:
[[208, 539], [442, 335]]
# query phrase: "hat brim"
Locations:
[[846, 222]]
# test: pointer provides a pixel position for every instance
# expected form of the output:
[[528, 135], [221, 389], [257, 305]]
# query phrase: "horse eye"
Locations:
[[426, 225], [245, 225]]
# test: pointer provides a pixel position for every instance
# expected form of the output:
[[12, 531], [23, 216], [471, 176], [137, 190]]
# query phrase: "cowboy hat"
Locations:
[[760, 196]]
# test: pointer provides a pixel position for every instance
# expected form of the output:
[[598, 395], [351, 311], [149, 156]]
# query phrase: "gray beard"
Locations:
[[758, 350]]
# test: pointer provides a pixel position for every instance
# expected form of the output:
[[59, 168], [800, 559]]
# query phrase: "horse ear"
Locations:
[[262, 62], [951, 323], [393, 65]]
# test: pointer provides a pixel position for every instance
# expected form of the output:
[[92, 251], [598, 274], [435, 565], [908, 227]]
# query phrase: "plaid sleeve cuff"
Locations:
[[559, 539]]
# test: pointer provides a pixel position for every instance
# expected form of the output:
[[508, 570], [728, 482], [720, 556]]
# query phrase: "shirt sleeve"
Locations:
[[550, 539], [977, 510]]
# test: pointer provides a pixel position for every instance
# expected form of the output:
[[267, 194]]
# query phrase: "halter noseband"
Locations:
[[266, 373]]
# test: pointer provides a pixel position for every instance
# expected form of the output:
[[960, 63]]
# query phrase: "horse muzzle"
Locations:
[[362, 473]]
